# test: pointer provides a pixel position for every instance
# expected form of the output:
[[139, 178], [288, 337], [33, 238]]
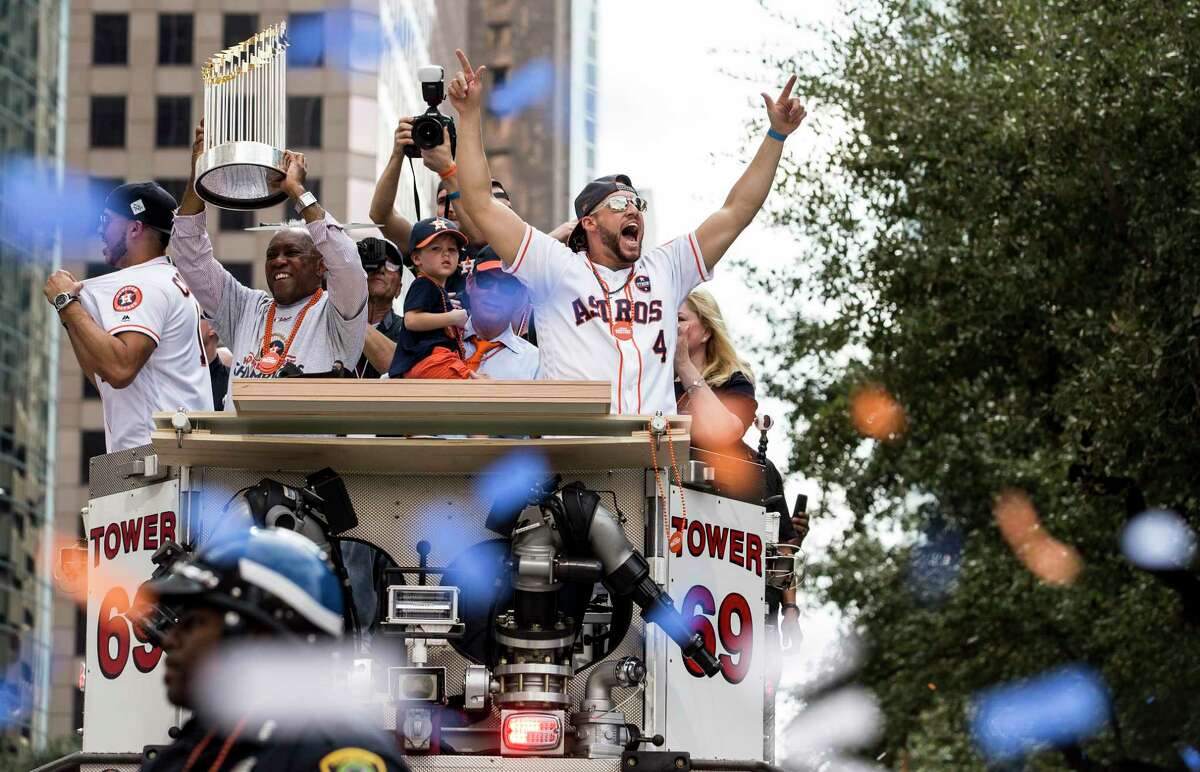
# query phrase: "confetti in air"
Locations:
[[1046, 557], [1061, 707], [1159, 540], [529, 85], [876, 414]]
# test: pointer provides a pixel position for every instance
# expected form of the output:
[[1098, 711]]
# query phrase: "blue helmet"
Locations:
[[269, 577]]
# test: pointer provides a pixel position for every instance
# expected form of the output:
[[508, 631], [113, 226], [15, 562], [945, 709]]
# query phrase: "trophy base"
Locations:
[[236, 175]]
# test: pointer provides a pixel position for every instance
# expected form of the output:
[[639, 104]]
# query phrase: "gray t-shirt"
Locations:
[[333, 329]]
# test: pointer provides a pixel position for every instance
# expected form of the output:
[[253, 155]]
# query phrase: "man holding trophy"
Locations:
[[298, 322], [316, 311]]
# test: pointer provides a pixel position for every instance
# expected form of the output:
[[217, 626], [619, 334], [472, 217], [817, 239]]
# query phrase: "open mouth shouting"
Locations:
[[631, 237]]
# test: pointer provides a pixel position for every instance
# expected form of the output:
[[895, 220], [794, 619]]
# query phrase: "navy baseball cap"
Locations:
[[425, 231], [375, 252], [593, 193], [146, 202]]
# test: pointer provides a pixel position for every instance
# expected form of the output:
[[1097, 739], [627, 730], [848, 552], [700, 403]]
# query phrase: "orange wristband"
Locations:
[[453, 170]]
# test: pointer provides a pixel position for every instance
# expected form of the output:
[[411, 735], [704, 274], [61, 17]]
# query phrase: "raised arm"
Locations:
[[191, 248], [383, 203], [345, 278], [499, 225], [718, 232]]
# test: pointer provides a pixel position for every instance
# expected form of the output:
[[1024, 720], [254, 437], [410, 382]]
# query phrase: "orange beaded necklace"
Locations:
[[269, 361]]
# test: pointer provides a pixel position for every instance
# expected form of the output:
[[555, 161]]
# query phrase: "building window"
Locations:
[[306, 31], [304, 121], [110, 38], [235, 220], [172, 120], [108, 121], [91, 444], [238, 27], [174, 38], [175, 186], [312, 185]]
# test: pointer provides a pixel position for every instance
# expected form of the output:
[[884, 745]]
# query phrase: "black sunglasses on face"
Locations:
[[486, 281]]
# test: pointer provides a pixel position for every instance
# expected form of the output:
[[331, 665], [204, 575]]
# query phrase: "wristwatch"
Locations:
[[62, 300], [306, 200], [787, 606]]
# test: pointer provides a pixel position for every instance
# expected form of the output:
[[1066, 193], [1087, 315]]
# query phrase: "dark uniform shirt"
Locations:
[[315, 749], [391, 326], [411, 347]]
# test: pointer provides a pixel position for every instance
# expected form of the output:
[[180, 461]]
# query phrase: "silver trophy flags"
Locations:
[[245, 112]]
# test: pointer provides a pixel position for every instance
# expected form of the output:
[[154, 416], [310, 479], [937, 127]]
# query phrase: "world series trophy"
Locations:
[[245, 113]]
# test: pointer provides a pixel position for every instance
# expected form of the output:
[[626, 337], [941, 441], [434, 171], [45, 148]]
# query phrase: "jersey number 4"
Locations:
[[660, 346]]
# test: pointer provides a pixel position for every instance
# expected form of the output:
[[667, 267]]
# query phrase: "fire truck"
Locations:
[[626, 624]]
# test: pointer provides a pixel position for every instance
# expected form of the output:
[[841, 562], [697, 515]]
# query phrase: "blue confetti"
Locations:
[[1061, 707], [46, 205], [934, 565], [506, 484], [1191, 757], [529, 85], [1159, 540]]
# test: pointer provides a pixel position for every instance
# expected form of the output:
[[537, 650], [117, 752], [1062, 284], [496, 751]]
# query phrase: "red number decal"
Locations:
[[698, 604], [145, 657], [699, 596], [740, 643], [660, 346], [113, 627]]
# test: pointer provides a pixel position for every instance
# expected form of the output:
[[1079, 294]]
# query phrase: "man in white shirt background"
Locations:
[[136, 331]]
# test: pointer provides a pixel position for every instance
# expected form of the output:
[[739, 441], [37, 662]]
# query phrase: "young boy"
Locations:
[[430, 346]]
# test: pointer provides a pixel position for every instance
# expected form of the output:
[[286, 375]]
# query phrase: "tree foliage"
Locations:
[[1006, 238]]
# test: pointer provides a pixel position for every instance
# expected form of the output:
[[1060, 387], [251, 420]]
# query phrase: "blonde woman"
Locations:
[[712, 383], [716, 387]]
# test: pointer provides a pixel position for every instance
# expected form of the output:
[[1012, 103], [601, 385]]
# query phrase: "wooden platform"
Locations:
[[294, 424], [347, 396]]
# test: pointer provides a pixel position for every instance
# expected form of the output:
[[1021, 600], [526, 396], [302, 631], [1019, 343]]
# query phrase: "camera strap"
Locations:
[[412, 164]]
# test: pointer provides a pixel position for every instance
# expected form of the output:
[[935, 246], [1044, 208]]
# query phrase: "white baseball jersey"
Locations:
[[152, 299], [597, 324]]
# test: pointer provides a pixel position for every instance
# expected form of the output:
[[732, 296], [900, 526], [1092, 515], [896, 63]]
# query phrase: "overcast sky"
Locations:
[[679, 80]]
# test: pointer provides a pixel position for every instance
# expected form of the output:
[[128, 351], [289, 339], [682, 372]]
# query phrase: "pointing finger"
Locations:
[[463, 60], [787, 90]]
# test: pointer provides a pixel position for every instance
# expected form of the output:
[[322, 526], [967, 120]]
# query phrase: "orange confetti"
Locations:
[[875, 413], [1047, 558], [932, 686]]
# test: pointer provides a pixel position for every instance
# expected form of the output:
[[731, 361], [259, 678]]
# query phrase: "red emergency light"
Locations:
[[531, 732]]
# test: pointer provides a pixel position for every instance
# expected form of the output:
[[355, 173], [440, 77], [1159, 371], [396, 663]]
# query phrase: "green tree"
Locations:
[[1006, 239]]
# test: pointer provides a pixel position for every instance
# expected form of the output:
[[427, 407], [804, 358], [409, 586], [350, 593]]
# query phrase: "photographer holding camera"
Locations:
[[604, 309], [431, 137], [381, 260]]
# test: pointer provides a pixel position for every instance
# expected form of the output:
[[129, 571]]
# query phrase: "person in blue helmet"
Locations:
[[267, 583]]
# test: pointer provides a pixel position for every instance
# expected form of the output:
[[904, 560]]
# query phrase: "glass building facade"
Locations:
[[32, 41]]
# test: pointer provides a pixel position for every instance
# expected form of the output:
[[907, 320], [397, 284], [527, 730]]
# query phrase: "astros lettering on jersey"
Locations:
[[150, 298], [599, 324]]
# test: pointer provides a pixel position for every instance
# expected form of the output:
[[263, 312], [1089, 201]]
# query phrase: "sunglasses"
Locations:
[[621, 203], [486, 281], [105, 219]]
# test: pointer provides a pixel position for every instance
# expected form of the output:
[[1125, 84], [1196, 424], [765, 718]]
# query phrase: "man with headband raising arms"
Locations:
[[299, 322], [605, 309]]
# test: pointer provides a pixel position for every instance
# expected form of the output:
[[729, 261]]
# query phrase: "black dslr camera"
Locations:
[[427, 127]]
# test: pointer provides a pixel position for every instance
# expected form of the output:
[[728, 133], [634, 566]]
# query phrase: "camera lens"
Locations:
[[427, 132]]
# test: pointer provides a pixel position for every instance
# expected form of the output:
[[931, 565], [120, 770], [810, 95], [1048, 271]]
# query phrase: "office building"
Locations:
[[31, 60]]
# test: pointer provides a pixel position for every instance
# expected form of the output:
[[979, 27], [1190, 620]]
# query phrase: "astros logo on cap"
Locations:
[[127, 298], [440, 225]]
